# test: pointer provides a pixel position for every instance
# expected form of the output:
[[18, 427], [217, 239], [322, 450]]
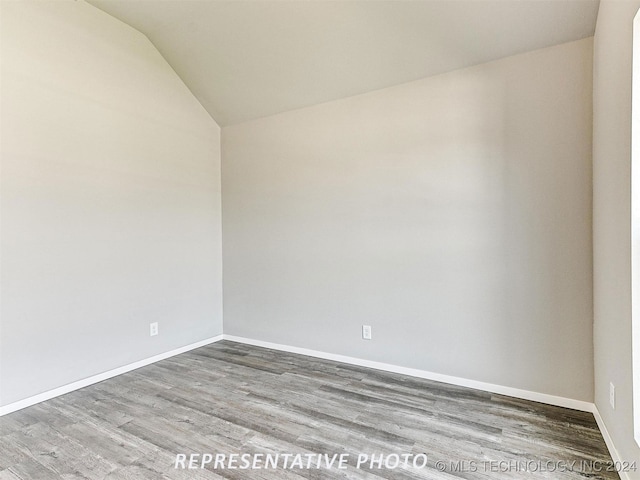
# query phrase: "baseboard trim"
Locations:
[[414, 372], [615, 456], [56, 392]]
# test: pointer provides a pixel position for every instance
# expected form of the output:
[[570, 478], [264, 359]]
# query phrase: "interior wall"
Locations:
[[110, 200], [612, 220], [452, 214]]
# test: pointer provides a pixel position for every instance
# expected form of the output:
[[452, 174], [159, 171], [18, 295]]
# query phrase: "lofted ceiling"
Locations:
[[248, 59]]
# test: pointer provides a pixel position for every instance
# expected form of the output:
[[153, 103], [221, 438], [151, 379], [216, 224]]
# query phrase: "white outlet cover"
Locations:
[[612, 395], [366, 332], [153, 329]]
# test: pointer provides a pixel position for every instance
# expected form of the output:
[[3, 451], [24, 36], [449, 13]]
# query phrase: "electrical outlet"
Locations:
[[366, 332], [153, 329], [612, 395]]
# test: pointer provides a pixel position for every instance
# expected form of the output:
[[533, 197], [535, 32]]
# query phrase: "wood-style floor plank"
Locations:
[[231, 398]]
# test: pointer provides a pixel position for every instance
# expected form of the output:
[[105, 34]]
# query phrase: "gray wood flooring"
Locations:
[[228, 398]]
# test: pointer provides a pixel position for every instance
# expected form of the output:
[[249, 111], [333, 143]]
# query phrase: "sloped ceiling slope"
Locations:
[[248, 59]]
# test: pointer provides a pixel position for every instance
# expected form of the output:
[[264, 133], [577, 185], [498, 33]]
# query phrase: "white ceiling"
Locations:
[[249, 59]]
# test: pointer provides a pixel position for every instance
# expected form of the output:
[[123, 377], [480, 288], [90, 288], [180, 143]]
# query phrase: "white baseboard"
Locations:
[[615, 456], [463, 382], [414, 372], [56, 392]]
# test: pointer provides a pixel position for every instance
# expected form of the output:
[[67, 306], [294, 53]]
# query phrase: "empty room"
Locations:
[[316, 239]]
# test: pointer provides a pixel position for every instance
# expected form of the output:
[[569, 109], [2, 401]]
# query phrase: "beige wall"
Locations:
[[453, 214], [110, 200], [612, 219]]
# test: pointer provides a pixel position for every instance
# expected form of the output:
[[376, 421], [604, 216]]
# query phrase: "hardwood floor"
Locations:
[[228, 398]]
